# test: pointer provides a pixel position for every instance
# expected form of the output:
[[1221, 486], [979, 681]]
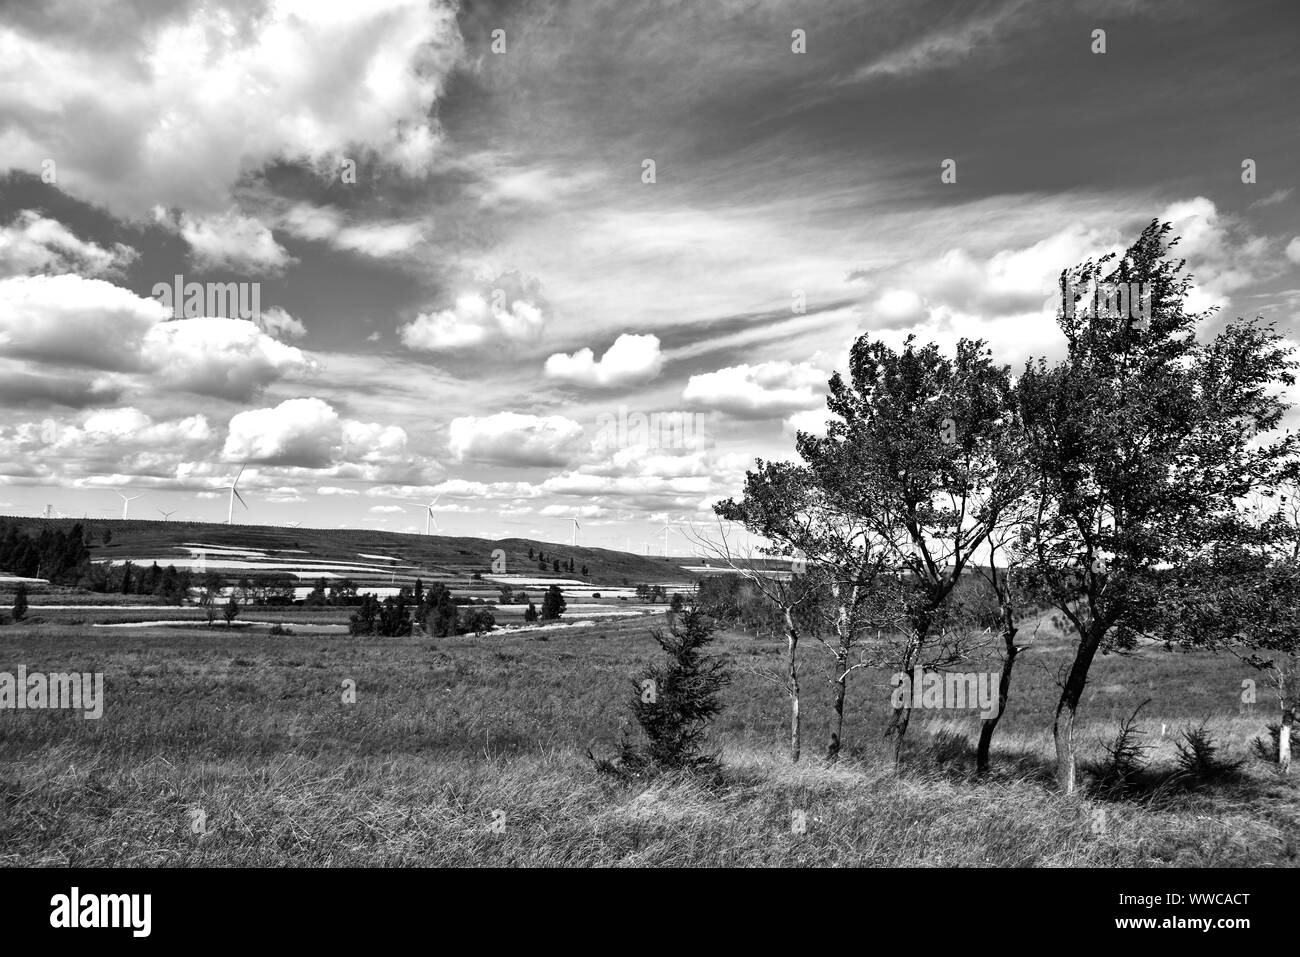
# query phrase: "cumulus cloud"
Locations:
[[196, 100], [1293, 250], [68, 321], [308, 433], [765, 390], [509, 438], [631, 359], [336, 490], [472, 323], [33, 243], [276, 322], [228, 358]]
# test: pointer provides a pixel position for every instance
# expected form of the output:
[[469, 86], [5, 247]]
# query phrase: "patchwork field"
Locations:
[[228, 746]]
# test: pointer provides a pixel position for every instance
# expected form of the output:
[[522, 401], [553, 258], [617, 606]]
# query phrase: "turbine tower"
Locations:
[[428, 516], [126, 501], [665, 530], [576, 526], [234, 494]]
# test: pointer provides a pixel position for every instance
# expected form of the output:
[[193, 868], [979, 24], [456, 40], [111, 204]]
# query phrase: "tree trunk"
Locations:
[[792, 642], [990, 725], [837, 712], [1067, 708], [1284, 741]]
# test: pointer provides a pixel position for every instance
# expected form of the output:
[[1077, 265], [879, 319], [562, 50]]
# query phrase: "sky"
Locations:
[[553, 261]]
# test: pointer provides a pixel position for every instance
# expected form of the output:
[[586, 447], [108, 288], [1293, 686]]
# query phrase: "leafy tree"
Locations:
[[479, 621], [555, 566], [521, 598], [506, 596], [1143, 438], [230, 610], [439, 612], [108, 536], [553, 604], [677, 602], [126, 579], [925, 452]]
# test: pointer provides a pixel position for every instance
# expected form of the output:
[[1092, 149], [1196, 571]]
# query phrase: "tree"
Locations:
[[530, 613], [553, 604], [20, 602], [520, 598], [1143, 439], [555, 566], [924, 450], [677, 603], [230, 610], [479, 620], [584, 571], [108, 536], [211, 591], [673, 702], [506, 596], [530, 553], [439, 612]]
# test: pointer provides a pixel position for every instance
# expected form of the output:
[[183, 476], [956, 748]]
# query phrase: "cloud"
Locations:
[[1273, 198], [473, 323], [276, 322], [228, 358], [1293, 250], [766, 390], [68, 321], [631, 359], [183, 104], [509, 438], [377, 239], [335, 490], [810, 420], [308, 433], [387, 509], [229, 240], [33, 243]]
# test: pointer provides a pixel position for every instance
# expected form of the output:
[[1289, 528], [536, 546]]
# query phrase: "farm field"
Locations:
[[225, 747]]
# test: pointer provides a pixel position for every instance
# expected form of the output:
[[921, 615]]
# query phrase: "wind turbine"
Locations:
[[167, 516], [428, 518], [234, 494], [126, 501], [665, 530], [576, 526]]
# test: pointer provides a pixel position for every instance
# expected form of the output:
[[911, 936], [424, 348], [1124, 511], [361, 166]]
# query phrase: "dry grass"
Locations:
[[252, 730]]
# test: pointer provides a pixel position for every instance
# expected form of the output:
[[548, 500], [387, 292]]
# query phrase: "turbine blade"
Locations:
[[238, 496]]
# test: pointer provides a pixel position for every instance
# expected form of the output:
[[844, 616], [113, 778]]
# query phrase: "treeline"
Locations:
[[556, 565], [60, 556], [438, 613]]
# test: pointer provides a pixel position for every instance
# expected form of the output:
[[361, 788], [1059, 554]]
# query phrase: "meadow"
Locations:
[[226, 746]]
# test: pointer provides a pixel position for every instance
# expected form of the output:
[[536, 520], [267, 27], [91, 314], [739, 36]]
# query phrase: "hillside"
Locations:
[[363, 555]]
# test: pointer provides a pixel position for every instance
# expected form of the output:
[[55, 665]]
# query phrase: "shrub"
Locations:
[[1125, 757], [674, 702], [1198, 758]]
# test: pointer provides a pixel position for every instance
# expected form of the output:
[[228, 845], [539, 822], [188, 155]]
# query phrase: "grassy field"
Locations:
[[226, 747]]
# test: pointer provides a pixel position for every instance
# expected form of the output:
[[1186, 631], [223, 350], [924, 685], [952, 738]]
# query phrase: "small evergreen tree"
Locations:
[[530, 613], [674, 701], [20, 602]]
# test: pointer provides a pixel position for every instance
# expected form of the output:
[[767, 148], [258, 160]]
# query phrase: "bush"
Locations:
[[1198, 758], [1125, 757]]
